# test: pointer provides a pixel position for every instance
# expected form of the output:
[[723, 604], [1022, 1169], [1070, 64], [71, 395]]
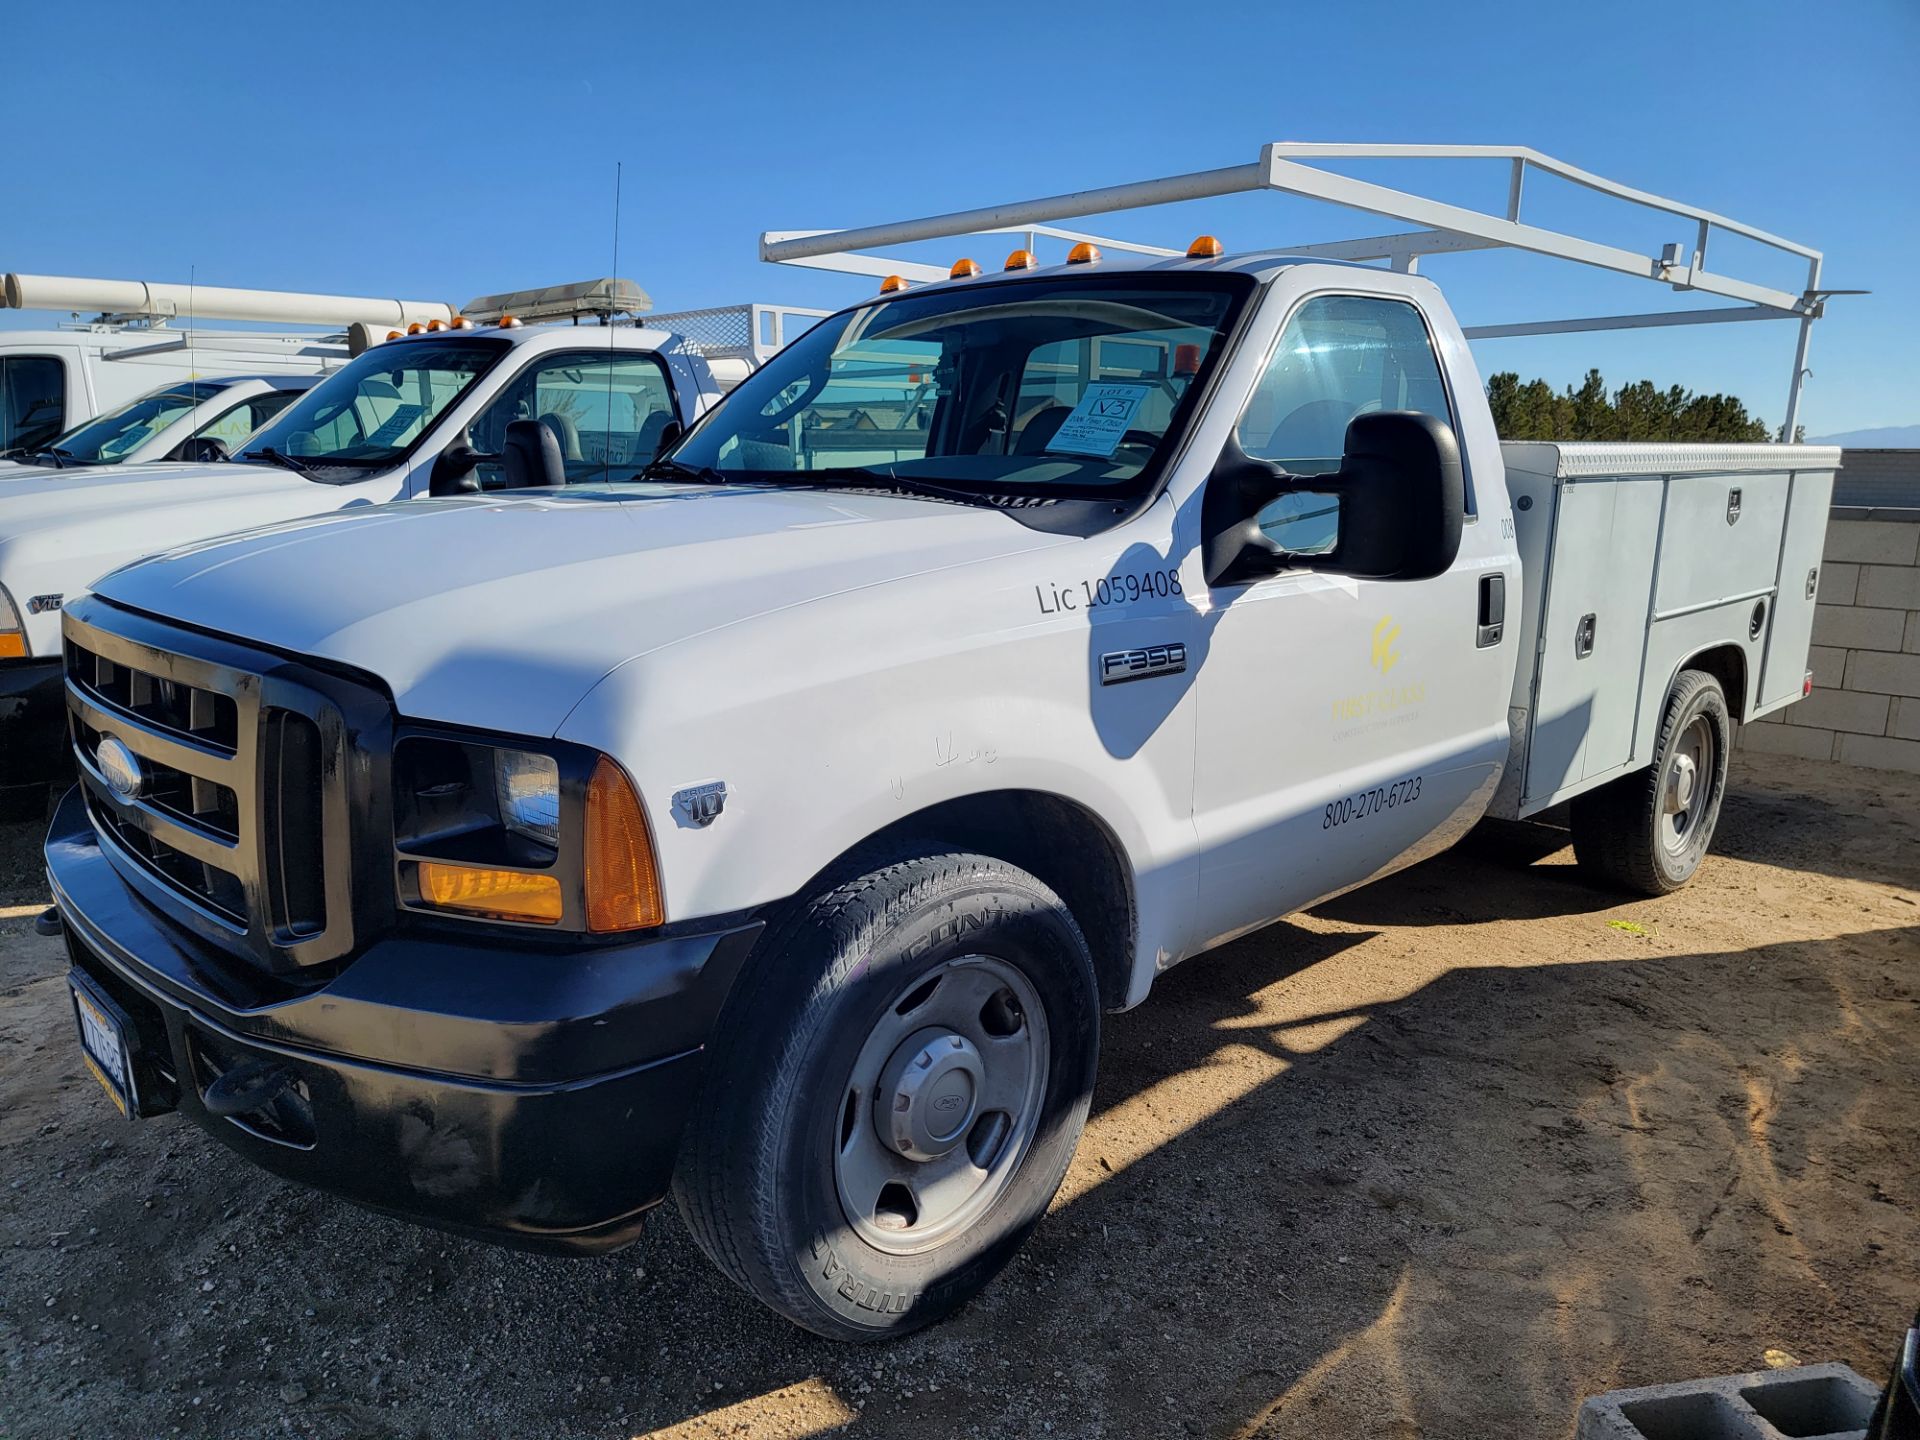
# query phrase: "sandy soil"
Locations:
[[1437, 1160]]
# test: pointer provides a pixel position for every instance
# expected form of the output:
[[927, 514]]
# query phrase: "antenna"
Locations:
[[606, 444], [193, 274]]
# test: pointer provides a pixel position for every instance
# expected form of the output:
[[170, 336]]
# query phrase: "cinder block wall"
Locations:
[[1865, 706]]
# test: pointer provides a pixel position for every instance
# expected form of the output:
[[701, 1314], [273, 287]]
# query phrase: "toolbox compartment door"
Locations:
[[1593, 633], [1721, 540], [1790, 633]]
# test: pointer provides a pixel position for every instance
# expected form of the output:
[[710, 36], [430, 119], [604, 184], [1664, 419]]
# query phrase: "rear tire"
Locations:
[[1648, 831], [893, 1094]]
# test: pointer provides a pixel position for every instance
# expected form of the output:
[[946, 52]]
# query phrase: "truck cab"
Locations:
[[772, 830]]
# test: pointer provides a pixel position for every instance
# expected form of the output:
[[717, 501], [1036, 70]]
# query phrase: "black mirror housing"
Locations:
[[1402, 494], [531, 457], [452, 472], [671, 435], [1406, 495]]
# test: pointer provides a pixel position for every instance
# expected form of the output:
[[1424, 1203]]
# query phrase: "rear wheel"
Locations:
[[894, 1094], [1650, 830]]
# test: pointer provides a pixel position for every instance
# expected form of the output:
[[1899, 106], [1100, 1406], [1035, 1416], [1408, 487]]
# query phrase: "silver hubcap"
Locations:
[[1683, 789], [942, 1104]]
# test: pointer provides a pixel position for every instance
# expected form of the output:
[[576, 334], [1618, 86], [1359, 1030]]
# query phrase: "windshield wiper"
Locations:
[[61, 458], [284, 461], [700, 474], [853, 477]]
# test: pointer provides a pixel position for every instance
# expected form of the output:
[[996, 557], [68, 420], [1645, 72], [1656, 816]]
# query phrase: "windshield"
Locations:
[[1048, 386], [371, 413], [110, 438]]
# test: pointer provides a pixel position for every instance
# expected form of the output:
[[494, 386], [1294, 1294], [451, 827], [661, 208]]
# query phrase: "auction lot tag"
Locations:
[[1100, 421], [104, 1048]]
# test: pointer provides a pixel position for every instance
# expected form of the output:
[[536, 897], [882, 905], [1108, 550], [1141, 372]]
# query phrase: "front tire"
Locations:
[[1649, 831], [893, 1094]]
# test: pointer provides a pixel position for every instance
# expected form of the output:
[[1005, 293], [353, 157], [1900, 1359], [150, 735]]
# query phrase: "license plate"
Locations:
[[103, 1044]]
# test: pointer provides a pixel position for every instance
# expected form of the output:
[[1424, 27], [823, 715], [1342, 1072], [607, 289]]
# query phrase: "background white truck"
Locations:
[[775, 830], [418, 411], [146, 334], [200, 419]]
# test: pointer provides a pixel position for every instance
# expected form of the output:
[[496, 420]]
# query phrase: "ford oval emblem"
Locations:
[[119, 767]]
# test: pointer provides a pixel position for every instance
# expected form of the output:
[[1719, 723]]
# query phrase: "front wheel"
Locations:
[[1650, 830], [893, 1094]]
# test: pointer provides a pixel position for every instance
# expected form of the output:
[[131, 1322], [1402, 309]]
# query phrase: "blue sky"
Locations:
[[447, 151]]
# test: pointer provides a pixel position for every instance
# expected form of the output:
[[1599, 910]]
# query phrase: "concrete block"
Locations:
[[1883, 674], [1904, 721], [1800, 741], [1829, 1401], [1912, 647], [1839, 583], [1892, 587], [1878, 752], [1829, 666], [1873, 542], [1847, 628], [1842, 710]]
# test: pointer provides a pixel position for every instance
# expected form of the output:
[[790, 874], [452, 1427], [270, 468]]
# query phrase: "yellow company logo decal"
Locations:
[[1385, 656]]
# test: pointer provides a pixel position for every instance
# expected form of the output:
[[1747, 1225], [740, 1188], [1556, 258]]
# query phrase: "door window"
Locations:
[[233, 425], [33, 401], [606, 410], [1341, 356]]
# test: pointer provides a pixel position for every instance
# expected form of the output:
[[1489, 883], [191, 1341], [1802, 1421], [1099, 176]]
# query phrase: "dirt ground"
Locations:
[[1437, 1160]]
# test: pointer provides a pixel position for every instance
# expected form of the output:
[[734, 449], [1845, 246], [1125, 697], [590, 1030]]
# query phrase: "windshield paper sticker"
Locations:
[[396, 424], [1100, 421]]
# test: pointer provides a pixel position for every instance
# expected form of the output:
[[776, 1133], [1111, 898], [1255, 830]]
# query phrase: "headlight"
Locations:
[[527, 791], [13, 639], [547, 837]]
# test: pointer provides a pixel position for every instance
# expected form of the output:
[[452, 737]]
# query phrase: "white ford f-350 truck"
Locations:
[[420, 413], [774, 829]]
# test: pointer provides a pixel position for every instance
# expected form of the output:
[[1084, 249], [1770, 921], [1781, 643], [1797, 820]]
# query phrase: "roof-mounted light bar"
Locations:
[[579, 301]]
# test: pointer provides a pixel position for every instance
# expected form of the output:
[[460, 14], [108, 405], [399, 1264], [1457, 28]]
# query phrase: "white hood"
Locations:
[[60, 529], [520, 605]]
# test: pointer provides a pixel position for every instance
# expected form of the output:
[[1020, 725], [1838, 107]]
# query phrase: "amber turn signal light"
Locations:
[[496, 894], [13, 646], [623, 883]]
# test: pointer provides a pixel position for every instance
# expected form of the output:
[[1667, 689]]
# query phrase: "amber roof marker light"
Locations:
[[1205, 247], [1085, 253], [1021, 260], [892, 285], [963, 269]]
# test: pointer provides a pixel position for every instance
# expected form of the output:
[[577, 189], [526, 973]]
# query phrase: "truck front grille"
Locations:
[[238, 820]]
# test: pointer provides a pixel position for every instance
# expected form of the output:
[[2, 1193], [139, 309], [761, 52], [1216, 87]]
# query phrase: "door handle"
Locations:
[[1493, 610], [1583, 637]]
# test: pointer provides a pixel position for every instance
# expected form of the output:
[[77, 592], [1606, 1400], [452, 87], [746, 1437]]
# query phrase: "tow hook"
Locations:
[[48, 922], [249, 1086]]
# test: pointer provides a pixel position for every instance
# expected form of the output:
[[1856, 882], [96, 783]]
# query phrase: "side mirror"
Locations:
[[201, 450], [1393, 511], [670, 435], [532, 457], [452, 472]]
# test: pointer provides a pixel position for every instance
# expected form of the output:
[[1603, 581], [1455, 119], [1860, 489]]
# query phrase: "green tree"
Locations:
[[1534, 410]]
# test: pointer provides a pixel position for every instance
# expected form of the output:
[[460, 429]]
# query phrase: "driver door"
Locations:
[[1335, 740]]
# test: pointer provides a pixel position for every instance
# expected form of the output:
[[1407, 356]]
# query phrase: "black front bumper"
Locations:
[[533, 1097], [33, 725]]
